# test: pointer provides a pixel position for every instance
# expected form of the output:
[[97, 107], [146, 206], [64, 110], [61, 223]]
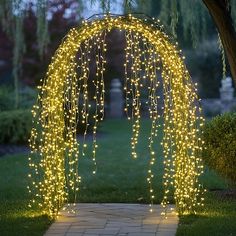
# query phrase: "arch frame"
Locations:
[[54, 143]]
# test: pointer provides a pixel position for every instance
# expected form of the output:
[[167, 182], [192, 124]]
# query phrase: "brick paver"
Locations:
[[114, 219]]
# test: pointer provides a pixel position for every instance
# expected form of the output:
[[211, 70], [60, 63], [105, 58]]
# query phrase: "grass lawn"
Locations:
[[119, 178], [217, 218], [15, 216]]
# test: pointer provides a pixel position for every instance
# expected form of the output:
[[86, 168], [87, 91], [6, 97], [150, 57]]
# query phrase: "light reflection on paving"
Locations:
[[114, 219]]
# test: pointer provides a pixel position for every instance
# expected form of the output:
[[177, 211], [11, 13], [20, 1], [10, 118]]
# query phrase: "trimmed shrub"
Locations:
[[220, 143], [15, 126]]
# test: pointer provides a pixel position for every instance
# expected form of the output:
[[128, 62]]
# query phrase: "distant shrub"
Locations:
[[6, 98], [15, 126], [220, 143], [27, 97]]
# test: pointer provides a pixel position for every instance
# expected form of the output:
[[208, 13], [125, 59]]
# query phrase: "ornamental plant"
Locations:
[[15, 126], [220, 145]]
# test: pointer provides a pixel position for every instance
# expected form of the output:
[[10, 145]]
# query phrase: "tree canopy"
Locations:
[[190, 16]]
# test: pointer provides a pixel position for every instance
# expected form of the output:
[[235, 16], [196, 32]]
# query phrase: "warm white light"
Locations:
[[64, 98]]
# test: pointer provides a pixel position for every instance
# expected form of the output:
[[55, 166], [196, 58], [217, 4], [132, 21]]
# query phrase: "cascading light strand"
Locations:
[[127, 64], [98, 82], [135, 55], [84, 79], [167, 143], [64, 102], [151, 74]]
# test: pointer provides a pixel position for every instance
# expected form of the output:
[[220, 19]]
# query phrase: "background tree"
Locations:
[[193, 16], [220, 11], [189, 18], [193, 19], [34, 29]]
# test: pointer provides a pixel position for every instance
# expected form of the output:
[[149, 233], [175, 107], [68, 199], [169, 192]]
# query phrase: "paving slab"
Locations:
[[114, 219]]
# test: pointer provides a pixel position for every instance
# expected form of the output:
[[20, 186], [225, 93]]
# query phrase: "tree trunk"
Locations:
[[220, 12]]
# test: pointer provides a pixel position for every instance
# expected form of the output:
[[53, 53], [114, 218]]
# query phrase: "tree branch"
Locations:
[[220, 12]]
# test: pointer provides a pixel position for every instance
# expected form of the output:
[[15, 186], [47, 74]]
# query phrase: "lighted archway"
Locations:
[[64, 99]]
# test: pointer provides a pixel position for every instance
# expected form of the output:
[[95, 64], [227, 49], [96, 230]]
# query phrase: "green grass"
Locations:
[[15, 216], [216, 218], [119, 178]]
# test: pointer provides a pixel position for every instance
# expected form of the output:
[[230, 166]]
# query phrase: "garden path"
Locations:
[[114, 219]]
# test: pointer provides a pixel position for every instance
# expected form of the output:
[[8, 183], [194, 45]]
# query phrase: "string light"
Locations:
[[151, 61]]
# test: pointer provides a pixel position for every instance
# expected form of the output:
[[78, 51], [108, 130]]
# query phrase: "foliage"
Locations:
[[10, 13], [14, 13], [27, 98], [6, 98], [205, 69], [42, 25], [13, 16], [220, 143], [174, 14], [15, 126]]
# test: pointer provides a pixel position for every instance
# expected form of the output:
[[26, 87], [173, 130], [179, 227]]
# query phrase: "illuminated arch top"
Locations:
[[151, 59]]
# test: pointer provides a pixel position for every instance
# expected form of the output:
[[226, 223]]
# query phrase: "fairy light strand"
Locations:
[[64, 101]]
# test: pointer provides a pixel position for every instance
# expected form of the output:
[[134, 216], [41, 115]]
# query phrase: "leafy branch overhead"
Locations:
[[189, 15], [170, 12]]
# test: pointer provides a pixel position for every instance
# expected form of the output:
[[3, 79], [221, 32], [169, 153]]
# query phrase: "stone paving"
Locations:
[[114, 219]]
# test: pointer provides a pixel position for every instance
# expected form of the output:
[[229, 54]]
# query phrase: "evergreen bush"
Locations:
[[220, 145]]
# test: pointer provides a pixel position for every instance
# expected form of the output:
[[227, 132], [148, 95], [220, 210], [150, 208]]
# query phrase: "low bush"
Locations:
[[220, 145], [6, 98], [15, 126], [27, 97]]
